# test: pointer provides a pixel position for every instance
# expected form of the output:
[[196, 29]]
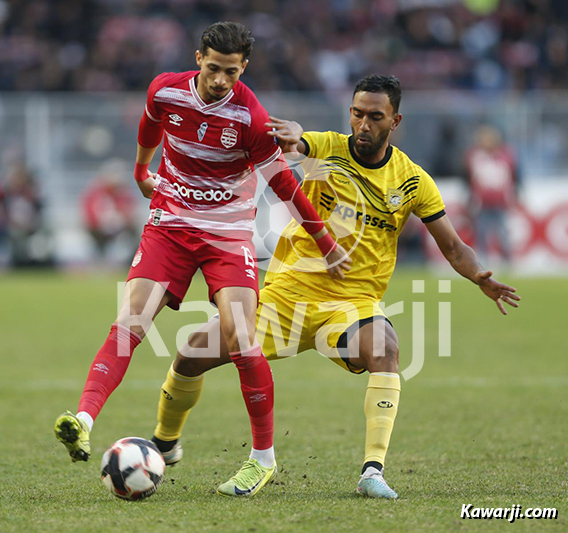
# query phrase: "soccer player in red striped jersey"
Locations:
[[201, 216]]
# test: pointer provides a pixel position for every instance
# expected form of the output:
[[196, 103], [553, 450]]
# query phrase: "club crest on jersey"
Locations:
[[202, 130], [175, 120], [394, 199], [229, 137]]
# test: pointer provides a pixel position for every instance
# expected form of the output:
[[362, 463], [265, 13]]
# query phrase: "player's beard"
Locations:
[[374, 144]]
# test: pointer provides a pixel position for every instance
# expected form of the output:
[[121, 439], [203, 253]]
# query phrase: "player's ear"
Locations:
[[245, 63], [396, 121], [198, 58]]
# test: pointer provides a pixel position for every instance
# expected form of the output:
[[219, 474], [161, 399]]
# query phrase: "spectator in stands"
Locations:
[[493, 179], [109, 211], [97, 45], [22, 208]]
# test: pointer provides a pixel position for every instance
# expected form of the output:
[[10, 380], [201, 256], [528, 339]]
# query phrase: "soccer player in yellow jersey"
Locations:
[[366, 189]]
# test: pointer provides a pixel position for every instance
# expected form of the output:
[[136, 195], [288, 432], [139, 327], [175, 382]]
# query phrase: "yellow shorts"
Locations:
[[289, 323]]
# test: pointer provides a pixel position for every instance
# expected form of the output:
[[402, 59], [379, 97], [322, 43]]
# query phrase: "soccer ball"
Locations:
[[132, 468], [271, 218]]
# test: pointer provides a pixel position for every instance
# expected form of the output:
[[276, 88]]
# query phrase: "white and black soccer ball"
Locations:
[[132, 468], [271, 218]]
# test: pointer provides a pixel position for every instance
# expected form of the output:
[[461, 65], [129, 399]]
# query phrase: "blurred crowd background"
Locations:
[[485, 101], [301, 45]]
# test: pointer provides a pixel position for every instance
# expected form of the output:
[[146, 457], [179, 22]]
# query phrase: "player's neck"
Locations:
[[371, 160], [201, 90], [377, 157]]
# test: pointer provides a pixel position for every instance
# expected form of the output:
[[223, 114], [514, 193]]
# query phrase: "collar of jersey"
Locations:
[[201, 103], [362, 163]]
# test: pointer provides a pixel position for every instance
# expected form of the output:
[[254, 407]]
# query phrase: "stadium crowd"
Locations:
[[302, 45]]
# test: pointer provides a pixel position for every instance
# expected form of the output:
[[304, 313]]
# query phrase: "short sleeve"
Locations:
[[429, 204], [317, 144], [153, 110]]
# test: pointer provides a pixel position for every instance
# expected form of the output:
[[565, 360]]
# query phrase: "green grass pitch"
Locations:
[[487, 426]]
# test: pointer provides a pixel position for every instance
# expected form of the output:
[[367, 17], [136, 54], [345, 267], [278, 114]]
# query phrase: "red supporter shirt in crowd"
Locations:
[[492, 176], [206, 176], [108, 208]]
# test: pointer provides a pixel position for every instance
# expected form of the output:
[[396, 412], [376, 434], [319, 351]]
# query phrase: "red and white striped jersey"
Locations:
[[206, 175]]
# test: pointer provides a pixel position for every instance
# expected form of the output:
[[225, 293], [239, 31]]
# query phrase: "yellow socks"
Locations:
[[381, 405], [179, 394]]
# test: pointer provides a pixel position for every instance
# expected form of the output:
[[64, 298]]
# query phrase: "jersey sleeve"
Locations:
[[280, 178], [267, 156], [429, 204], [263, 149], [153, 111], [150, 129], [317, 144]]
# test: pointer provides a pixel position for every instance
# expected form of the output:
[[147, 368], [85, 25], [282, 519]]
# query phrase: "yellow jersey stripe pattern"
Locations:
[[365, 207]]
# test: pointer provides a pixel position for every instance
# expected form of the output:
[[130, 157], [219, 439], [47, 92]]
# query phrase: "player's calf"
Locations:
[[205, 349]]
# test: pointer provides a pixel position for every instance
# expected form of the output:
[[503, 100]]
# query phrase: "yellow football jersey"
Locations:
[[364, 207]]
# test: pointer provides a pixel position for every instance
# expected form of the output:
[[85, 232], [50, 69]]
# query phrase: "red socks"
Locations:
[[112, 360], [108, 369], [257, 386]]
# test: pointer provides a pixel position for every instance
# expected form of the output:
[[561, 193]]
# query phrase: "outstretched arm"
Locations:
[[282, 181], [288, 134], [465, 262]]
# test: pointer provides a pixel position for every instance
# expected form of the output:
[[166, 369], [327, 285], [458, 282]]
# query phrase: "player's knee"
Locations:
[[391, 352], [235, 341], [384, 359], [199, 355], [126, 321], [140, 330], [186, 365], [136, 318], [232, 340]]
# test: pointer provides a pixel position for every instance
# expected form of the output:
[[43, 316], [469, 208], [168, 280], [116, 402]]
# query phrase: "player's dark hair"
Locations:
[[227, 38], [389, 85]]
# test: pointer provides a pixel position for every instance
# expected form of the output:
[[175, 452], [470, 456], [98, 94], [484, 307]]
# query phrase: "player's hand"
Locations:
[[147, 186], [287, 132], [498, 292], [338, 262]]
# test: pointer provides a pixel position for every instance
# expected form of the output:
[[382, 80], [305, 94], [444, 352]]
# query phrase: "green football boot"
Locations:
[[74, 434], [248, 480]]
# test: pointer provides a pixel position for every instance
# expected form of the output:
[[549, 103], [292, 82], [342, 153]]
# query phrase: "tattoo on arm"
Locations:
[[457, 260]]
